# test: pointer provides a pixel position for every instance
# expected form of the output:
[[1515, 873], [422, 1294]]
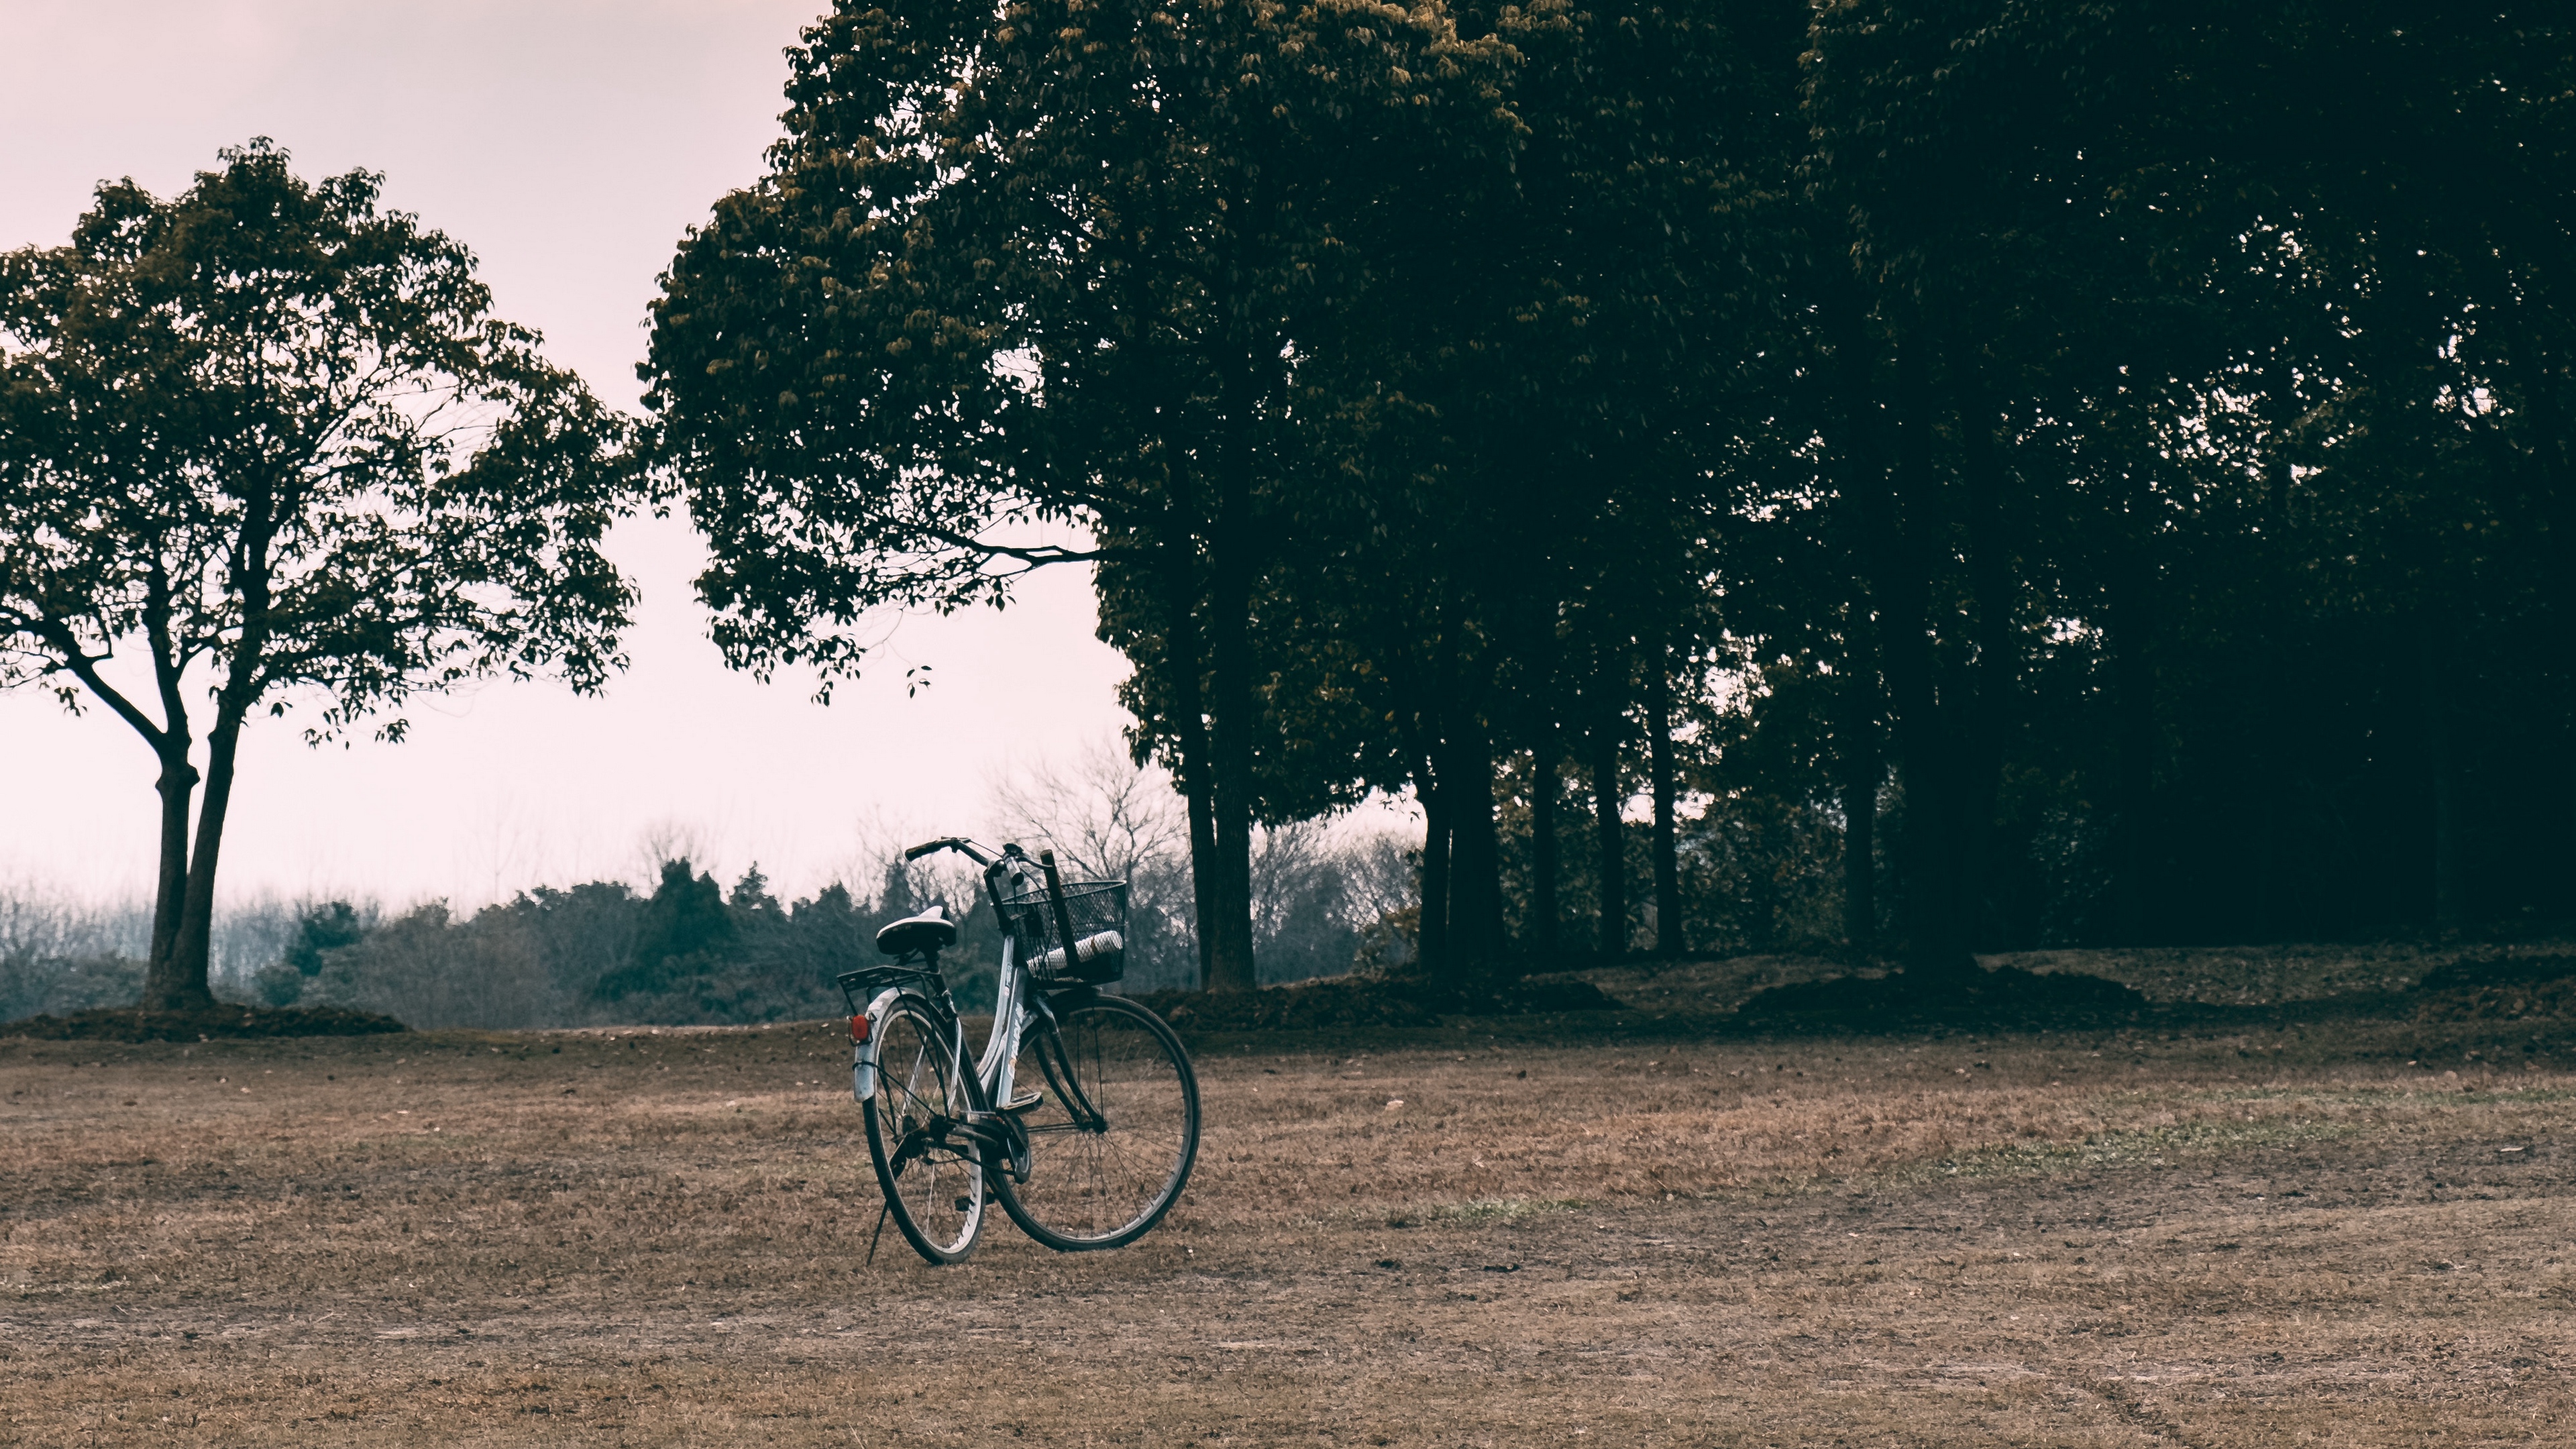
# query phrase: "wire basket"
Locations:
[[1097, 911]]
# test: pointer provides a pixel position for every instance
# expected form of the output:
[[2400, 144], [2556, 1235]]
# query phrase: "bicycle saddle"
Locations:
[[929, 931]]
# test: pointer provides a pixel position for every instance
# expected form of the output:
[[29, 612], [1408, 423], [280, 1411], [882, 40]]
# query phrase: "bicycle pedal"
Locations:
[[1024, 1101]]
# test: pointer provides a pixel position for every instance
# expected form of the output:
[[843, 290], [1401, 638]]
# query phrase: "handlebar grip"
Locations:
[[927, 846]]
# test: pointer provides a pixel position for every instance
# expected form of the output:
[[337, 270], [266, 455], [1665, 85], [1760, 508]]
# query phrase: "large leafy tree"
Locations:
[[267, 436], [1049, 272]]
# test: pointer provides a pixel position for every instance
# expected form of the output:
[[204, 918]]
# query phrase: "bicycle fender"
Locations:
[[863, 1055]]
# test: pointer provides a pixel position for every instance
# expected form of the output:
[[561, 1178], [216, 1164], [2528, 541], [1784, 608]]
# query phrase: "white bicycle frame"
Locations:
[[994, 1070], [1010, 1017]]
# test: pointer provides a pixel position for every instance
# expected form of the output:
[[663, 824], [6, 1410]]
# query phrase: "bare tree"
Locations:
[[669, 839], [1107, 820], [1101, 815], [59, 952], [1317, 891]]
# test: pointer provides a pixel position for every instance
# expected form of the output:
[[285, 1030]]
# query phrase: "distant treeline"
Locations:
[[692, 951], [687, 951], [64, 951]]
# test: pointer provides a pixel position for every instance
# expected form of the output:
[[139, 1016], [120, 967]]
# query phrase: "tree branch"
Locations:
[[1036, 557], [84, 667]]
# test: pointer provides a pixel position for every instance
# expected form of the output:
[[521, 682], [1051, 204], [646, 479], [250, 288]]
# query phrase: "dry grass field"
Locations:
[[1559, 1232]]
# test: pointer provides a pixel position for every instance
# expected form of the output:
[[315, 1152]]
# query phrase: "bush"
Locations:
[[30, 984]]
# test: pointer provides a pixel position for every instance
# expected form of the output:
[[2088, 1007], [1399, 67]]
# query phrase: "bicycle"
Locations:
[[1096, 1149]]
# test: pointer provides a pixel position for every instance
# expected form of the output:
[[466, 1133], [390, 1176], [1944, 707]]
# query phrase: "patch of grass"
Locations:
[[1505, 1209], [2427, 1095], [2134, 1147]]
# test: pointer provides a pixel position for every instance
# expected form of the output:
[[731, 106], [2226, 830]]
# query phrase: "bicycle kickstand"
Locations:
[[877, 1236]]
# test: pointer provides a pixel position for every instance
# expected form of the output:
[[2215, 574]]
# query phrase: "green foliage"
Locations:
[[277, 425], [982, 288], [685, 931], [322, 928]]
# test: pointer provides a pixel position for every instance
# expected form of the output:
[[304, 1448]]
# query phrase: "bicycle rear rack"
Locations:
[[857, 986]]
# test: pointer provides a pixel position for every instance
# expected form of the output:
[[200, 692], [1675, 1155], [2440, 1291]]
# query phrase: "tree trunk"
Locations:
[[163, 980], [2133, 697], [1230, 963], [1860, 747], [1544, 789], [2536, 368], [2435, 691], [185, 984], [1432, 933], [1888, 467], [1476, 886], [1856, 751], [1184, 660], [1671, 934], [1205, 897], [2275, 759], [1606, 800], [1896, 507], [177, 785], [1992, 581], [2275, 768]]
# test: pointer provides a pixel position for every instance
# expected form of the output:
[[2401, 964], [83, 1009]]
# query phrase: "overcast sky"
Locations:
[[568, 144]]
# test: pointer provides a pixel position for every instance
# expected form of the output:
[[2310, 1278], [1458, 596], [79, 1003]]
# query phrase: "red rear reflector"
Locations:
[[858, 1029]]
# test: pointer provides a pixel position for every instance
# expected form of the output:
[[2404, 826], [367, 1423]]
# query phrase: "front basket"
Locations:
[[1098, 912]]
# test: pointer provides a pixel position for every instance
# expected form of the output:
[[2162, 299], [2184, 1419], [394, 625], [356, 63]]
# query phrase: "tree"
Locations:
[[1052, 266], [268, 430]]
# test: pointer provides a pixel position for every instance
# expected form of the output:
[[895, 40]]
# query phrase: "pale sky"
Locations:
[[568, 142]]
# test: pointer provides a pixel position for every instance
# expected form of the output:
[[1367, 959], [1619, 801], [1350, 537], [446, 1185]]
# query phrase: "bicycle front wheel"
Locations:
[[928, 1165], [1113, 1136]]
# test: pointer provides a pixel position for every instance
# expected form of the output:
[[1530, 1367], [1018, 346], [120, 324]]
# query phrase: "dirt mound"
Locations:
[[2005, 996], [127, 1023], [1343, 1001], [2498, 988]]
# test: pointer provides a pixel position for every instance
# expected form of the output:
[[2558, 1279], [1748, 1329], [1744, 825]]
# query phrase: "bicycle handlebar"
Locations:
[[958, 843]]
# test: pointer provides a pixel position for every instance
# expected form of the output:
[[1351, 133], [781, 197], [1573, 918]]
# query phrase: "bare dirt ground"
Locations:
[[2295, 1229]]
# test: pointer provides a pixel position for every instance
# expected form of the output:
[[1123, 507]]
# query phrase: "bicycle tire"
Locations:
[[1106, 1184], [933, 1178]]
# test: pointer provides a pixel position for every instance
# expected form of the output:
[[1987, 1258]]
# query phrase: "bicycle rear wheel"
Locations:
[[928, 1167], [1112, 1139]]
